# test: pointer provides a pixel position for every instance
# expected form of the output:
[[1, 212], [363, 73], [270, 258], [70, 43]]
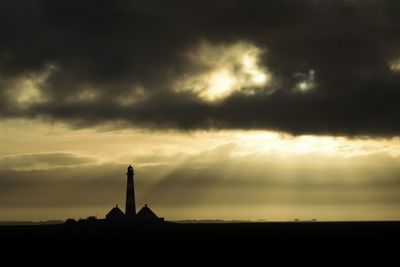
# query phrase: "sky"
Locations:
[[235, 110]]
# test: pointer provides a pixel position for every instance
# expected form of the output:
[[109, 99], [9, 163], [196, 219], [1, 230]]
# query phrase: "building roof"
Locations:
[[115, 213], [146, 212]]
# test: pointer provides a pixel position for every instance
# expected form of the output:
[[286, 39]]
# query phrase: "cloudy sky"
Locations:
[[250, 110]]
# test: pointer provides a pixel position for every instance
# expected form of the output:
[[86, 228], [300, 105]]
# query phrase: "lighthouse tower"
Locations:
[[130, 208]]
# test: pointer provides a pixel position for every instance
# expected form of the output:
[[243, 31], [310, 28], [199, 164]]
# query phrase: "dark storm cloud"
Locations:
[[112, 47]]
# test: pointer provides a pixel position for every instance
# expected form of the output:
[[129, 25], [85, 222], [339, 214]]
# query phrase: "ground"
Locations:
[[202, 244]]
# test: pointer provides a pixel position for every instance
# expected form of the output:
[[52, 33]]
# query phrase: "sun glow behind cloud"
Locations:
[[395, 65], [27, 89], [228, 69], [306, 81]]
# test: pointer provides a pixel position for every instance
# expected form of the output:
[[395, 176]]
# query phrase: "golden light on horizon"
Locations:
[[118, 145], [267, 169]]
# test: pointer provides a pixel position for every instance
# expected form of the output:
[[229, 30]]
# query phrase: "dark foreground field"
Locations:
[[279, 233], [331, 239]]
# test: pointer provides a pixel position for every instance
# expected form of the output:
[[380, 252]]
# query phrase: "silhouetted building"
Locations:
[[147, 214], [115, 213], [130, 208]]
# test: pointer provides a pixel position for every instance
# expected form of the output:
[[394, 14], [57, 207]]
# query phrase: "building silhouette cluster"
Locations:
[[145, 214]]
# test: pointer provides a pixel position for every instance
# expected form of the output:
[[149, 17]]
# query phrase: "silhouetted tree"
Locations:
[[70, 221]]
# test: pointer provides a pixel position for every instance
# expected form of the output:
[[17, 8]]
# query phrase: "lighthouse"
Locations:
[[145, 214], [130, 208]]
